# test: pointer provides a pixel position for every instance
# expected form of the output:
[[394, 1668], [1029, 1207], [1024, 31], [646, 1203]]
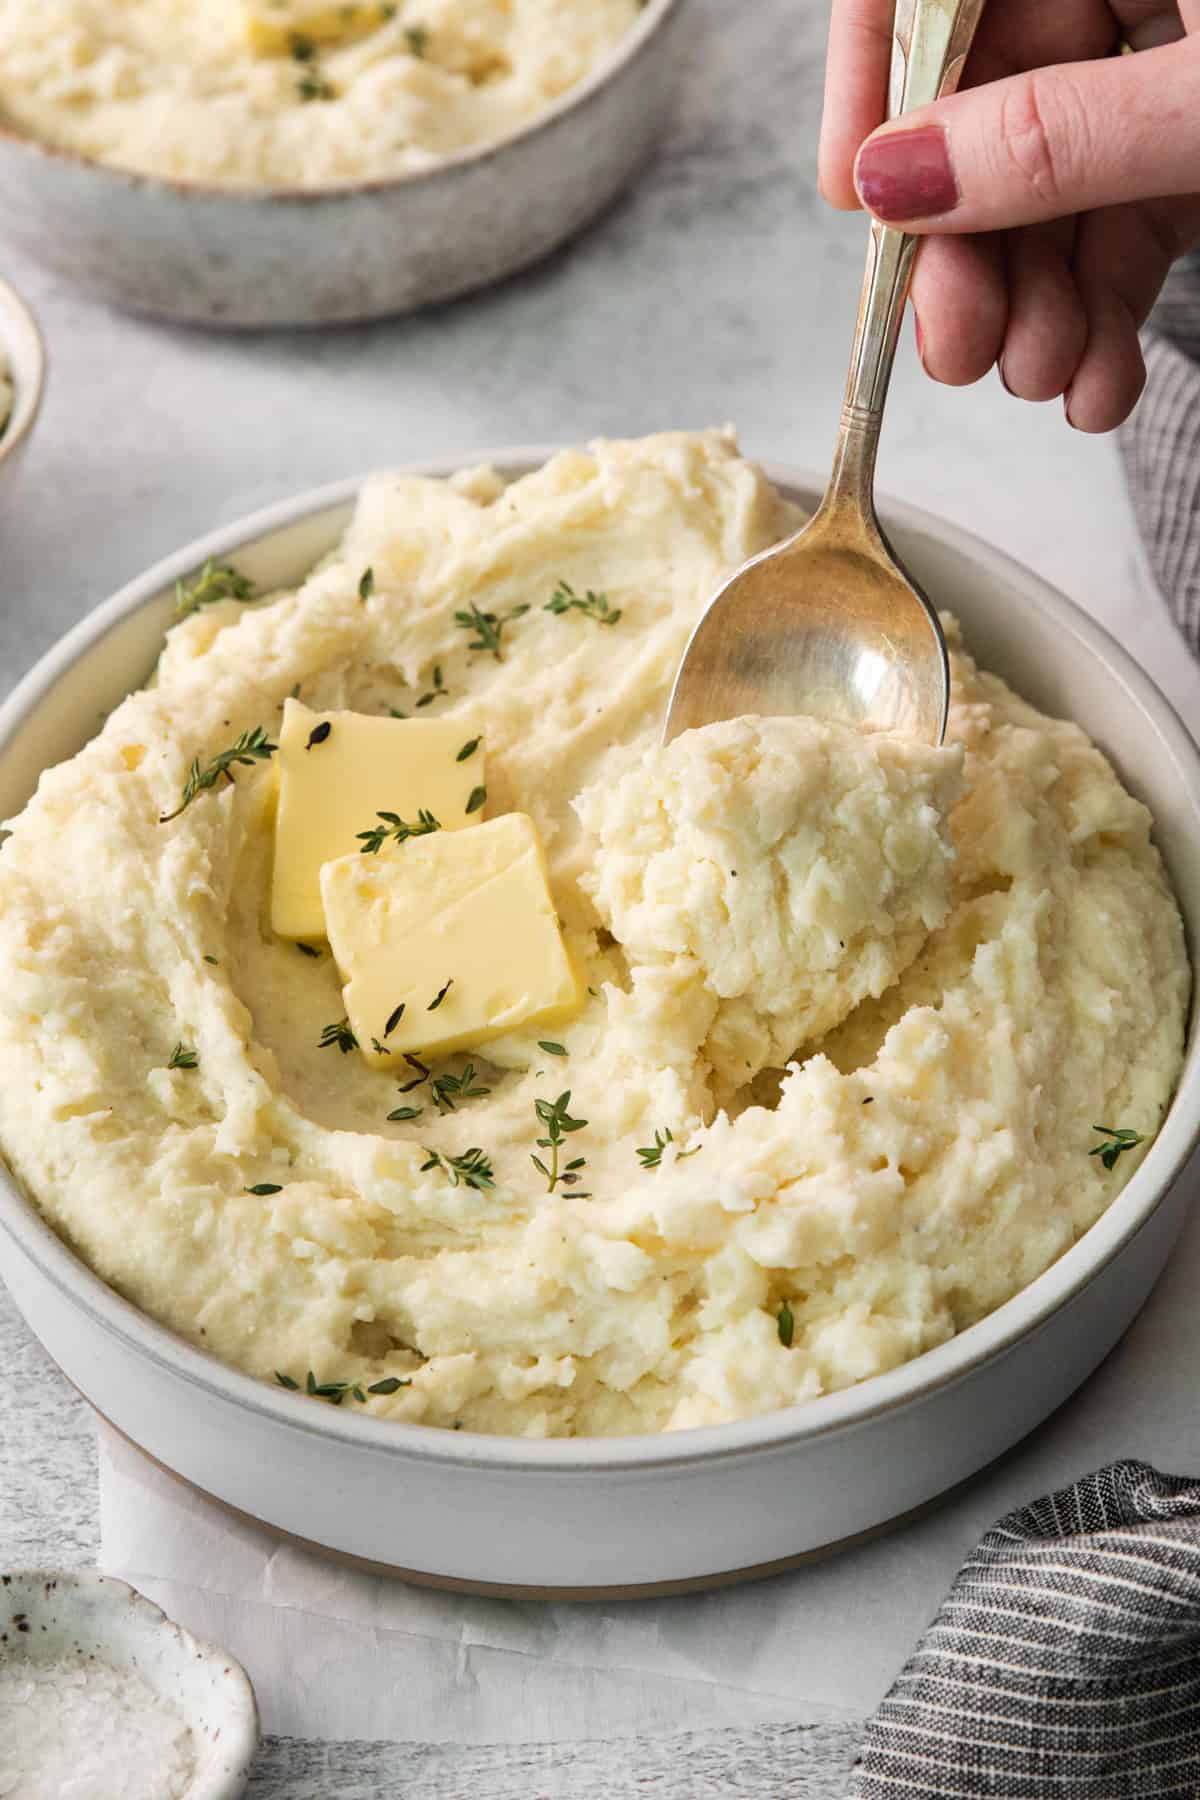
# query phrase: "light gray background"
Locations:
[[721, 289]]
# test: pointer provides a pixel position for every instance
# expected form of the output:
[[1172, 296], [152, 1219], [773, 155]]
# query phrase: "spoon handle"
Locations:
[[930, 42]]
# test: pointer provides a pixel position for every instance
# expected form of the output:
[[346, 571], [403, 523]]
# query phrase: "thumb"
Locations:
[[1041, 145]]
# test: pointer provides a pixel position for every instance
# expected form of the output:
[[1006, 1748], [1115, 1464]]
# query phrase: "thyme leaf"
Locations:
[[477, 799], [468, 750], [786, 1325], [651, 1155], [337, 1391], [592, 605], [263, 1188], [252, 746], [183, 1058], [397, 829], [216, 581], [340, 1035], [440, 996], [472, 1169], [1120, 1140], [366, 584]]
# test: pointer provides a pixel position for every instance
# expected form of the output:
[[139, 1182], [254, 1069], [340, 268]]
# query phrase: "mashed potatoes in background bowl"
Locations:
[[923, 1426], [281, 162]]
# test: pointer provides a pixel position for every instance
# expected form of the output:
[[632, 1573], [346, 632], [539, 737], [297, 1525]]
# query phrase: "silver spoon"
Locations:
[[829, 622]]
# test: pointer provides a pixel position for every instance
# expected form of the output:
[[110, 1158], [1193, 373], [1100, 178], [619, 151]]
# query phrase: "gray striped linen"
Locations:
[[1064, 1664], [1161, 447]]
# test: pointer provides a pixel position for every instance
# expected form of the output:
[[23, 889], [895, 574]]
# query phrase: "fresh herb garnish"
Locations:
[[440, 996], [213, 961], [551, 1048], [394, 1019], [449, 1089], [438, 690], [252, 746], [309, 950], [341, 1035], [366, 584], [263, 1188], [336, 1391], [487, 627], [472, 1169], [303, 48], [402, 1114], [183, 1058], [468, 750], [477, 799], [417, 38], [1120, 1141], [422, 1075], [216, 581], [313, 85], [786, 1325], [555, 1116], [593, 606], [320, 734], [652, 1154], [394, 827]]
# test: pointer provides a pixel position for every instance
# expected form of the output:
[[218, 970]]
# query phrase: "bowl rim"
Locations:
[[17, 323], [240, 1725], [943, 1367], [648, 25]]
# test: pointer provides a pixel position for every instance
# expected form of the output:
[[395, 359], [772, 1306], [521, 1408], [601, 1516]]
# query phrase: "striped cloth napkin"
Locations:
[[1161, 447], [1064, 1663]]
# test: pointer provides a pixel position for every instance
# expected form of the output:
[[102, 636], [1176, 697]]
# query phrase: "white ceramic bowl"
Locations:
[[22, 349], [587, 1515], [212, 255], [64, 1616]]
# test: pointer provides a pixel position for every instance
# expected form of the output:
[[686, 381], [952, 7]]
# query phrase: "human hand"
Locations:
[[1055, 190]]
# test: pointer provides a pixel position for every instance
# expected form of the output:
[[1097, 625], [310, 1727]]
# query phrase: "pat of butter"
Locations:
[[273, 26], [334, 783], [467, 915]]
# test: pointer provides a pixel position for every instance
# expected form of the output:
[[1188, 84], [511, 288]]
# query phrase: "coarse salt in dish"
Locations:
[[75, 1728]]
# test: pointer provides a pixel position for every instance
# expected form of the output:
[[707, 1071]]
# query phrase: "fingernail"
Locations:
[[907, 175]]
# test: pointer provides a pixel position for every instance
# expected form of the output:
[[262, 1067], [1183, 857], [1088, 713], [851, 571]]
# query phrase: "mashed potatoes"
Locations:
[[290, 92], [854, 1005]]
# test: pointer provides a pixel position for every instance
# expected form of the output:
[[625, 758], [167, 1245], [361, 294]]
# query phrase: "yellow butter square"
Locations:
[[459, 931], [274, 26], [337, 771]]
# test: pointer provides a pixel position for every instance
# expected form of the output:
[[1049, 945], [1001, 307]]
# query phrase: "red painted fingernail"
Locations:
[[907, 175]]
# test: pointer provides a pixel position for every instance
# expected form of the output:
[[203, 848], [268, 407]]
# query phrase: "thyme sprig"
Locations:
[[253, 746], [449, 1090], [397, 829], [651, 1155], [472, 1169], [488, 628], [556, 1117], [336, 1391], [216, 581], [339, 1034], [183, 1058], [1120, 1140], [592, 605]]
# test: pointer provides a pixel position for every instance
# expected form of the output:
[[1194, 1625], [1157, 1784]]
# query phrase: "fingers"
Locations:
[[960, 299], [1047, 319], [856, 78], [1121, 260], [1041, 145]]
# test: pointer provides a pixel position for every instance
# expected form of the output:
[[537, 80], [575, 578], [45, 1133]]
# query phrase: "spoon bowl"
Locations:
[[826, 623], [829, 622]]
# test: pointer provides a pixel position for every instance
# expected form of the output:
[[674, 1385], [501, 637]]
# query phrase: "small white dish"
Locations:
[[50, 1615], [22, 349]]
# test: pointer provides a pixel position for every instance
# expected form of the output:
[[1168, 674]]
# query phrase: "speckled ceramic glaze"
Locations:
[[55, 1616], [21, 344], [589, 1516], [209, 255]]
